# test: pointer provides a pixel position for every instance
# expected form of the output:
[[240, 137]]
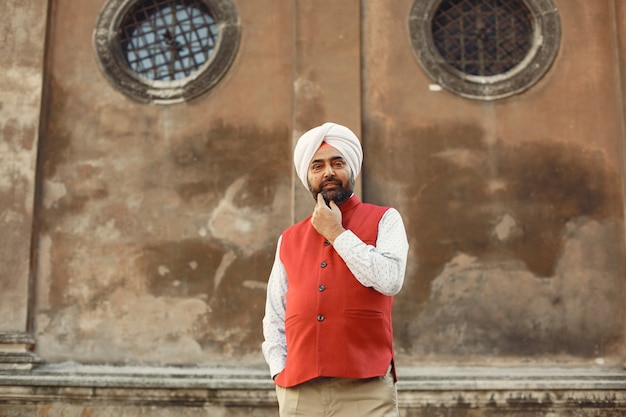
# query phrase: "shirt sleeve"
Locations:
[[381, 267], [274, 345]]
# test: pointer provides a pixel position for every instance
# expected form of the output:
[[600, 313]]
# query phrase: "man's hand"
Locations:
[[327, 220]]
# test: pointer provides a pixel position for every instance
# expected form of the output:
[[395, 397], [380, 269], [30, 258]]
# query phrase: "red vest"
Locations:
[[335, 327]]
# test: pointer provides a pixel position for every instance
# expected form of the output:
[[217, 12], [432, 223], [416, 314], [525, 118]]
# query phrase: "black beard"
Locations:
[[339, 196]]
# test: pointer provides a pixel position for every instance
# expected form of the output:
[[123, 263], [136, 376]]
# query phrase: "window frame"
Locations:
[[545, 45], [114, 66]]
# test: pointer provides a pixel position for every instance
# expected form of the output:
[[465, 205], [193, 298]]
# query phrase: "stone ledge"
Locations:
[[17, 338], [447, 378], [187, 387], [419, 388], [71, 375], [15, 352], [231, 377]]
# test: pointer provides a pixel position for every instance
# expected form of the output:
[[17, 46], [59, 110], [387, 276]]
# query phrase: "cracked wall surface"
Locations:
[[158, 224], [155, 226], [514, 208]]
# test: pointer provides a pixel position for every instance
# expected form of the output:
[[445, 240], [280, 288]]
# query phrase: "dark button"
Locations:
[[321, 288], [326, 243], [320, 318], [323, 264]]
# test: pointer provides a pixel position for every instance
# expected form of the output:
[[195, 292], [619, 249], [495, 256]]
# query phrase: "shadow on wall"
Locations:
[[518, 246]]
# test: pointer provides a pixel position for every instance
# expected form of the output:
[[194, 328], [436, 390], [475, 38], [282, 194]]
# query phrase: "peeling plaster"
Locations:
[[108, 232], [227, 260], [11, 216], [475, 302], [53, 192], [504, 227], [23, 85], [526, 236], [257, 285], [123, 324], [16, 169], [243, 227]]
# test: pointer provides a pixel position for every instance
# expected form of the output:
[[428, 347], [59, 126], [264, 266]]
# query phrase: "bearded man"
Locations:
[[328, 337]]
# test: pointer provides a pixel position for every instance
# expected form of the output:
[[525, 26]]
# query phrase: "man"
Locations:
[[327, 325]]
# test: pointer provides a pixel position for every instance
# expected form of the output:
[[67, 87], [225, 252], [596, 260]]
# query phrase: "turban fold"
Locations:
[[337, 136]]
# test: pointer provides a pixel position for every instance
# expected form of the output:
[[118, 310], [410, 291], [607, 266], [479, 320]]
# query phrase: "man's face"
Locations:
[[330, 174]]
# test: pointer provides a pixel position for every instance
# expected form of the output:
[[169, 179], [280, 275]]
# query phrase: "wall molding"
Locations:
[[16, 352], [568, 391]]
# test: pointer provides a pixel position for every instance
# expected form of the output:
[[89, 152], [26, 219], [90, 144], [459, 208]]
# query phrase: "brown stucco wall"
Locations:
[[158, 223], [620, 35], [154, 227], [324, 43], [170, 213], [514, 207], [21, 78]]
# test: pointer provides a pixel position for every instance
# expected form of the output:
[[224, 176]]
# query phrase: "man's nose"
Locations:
[[329, 172]]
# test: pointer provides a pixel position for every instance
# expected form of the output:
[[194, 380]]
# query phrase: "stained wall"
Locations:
[[157, 224], [514, 207], [21, 80], [154, 226]]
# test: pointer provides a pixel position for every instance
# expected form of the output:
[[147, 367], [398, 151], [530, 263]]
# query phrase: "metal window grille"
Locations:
[[167, 40], [483, 37]]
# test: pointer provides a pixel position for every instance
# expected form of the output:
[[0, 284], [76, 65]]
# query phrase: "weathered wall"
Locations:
[[160, 212], [620, 35], [324, 42], [155, 226], [158, 223], [21, 79], [514, 207]]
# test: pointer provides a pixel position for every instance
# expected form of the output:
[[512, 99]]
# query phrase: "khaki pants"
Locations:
[[339, 397]]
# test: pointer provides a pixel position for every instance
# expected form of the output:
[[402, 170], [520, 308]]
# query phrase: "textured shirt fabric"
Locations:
[[380, 267]]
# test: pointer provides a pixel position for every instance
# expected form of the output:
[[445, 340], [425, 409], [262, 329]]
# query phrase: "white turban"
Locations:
[[337, 136]]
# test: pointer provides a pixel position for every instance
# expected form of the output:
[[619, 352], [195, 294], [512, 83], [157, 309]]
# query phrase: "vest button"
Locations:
[[320, 318], [326, 243], [321, 288], [323, 264]]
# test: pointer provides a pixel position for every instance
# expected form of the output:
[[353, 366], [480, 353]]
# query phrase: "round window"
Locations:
[[166, 51], [485, 49]]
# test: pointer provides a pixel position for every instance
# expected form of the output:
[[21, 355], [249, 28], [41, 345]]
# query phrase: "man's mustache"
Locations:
[[330, 181]]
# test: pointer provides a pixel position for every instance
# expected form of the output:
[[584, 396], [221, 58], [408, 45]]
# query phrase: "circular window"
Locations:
[[166, 51], [485, 49]]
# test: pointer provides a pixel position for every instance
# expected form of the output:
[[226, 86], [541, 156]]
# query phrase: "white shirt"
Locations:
[[381, 267]]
